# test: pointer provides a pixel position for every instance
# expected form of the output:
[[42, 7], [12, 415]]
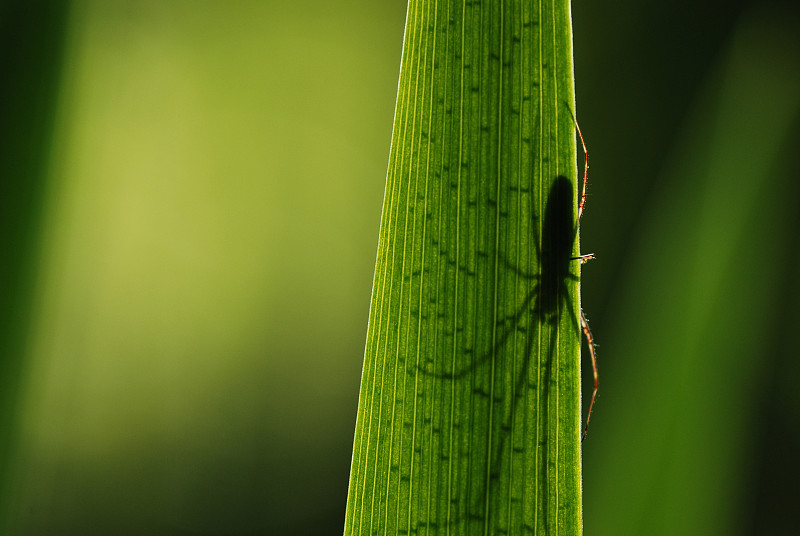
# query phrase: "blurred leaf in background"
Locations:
[[208, 247], [31, 51], [695, 315], [691, 197], [191, 335]]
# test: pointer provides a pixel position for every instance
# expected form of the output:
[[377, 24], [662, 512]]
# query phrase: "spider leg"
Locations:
[[505, 334], [517, 394], [582, 202], [518, 271], [593, 354], [584, 258]]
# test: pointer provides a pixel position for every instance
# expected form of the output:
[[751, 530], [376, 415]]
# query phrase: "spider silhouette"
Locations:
[[544, 301], [543, 305]]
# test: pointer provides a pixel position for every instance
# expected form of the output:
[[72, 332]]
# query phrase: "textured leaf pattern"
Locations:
[[469, 413]]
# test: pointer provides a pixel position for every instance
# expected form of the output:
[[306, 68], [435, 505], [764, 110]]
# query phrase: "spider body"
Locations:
[[555, 254]]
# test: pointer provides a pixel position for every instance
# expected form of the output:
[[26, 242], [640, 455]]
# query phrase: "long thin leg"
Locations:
[[582, 202], [583, 259], [585, 173], [519, 271], [590, 341], [526, 304]]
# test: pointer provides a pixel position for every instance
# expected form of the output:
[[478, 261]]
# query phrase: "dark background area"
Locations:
[[189, 212]]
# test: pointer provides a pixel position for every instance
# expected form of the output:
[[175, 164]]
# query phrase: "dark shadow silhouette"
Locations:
[[540, 311]]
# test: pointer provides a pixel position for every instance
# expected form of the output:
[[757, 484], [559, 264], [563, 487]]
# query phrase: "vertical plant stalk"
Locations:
[[469, 414]]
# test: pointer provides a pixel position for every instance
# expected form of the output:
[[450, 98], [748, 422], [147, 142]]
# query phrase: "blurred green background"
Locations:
[[189, 211]]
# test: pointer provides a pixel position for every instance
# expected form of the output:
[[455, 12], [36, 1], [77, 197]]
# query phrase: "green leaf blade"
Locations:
[[469, 415]]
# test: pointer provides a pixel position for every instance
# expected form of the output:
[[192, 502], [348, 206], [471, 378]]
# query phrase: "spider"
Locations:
[[543, 304], [550, 284]]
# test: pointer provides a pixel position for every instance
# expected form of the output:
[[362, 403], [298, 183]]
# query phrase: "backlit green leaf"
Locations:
[[469, 415]]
